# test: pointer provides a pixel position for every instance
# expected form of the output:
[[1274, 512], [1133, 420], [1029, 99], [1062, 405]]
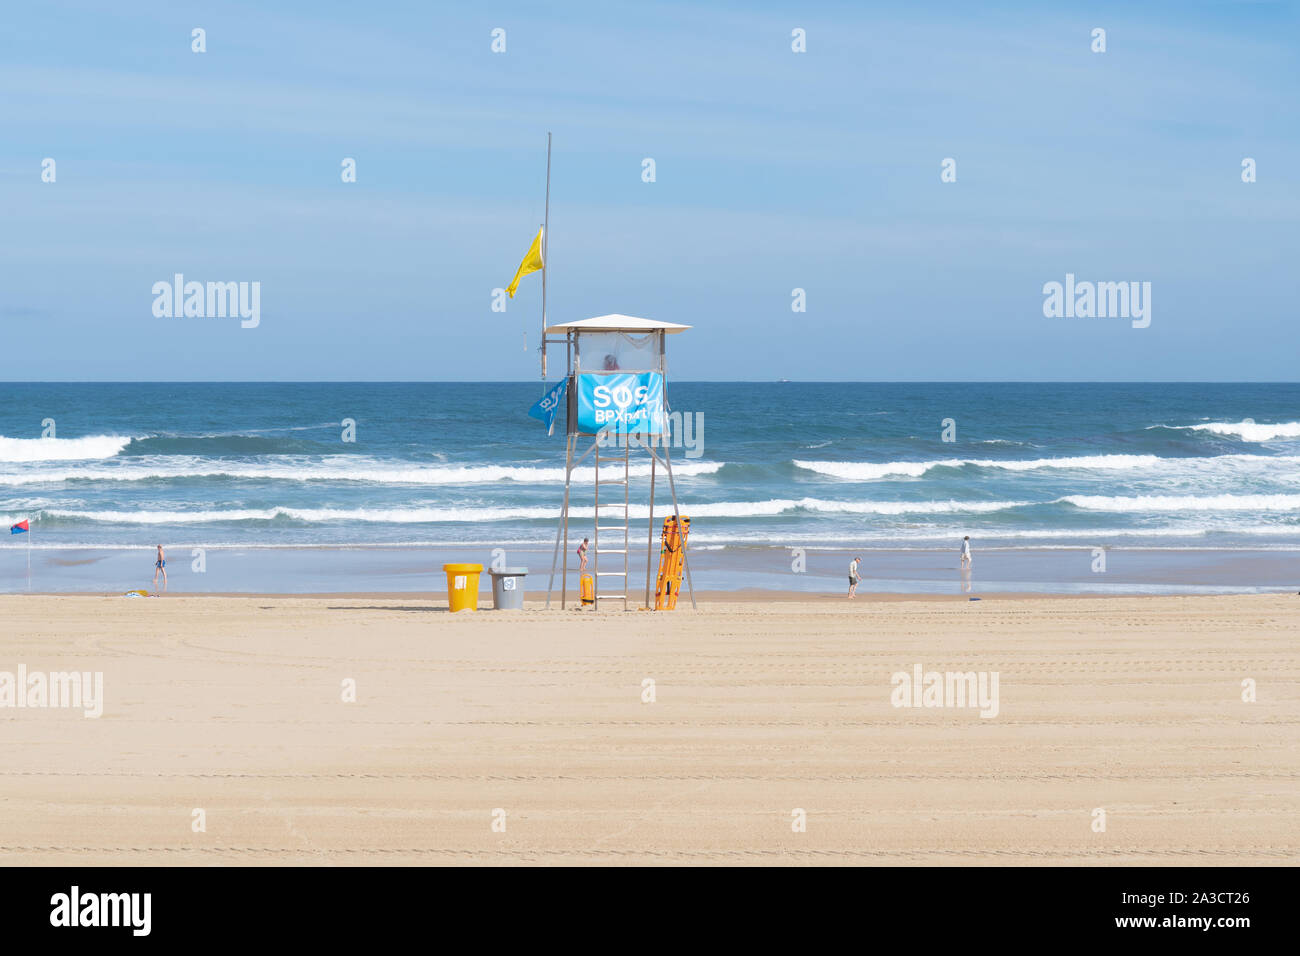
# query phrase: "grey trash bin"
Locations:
[[508, 589]]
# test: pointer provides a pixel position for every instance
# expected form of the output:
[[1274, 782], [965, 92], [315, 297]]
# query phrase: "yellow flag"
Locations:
[[532, 262]]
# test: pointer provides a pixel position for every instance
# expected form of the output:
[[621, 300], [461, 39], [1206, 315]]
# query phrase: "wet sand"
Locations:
[[1080, 569]]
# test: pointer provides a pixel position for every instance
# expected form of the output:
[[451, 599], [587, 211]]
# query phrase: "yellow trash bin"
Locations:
[[462, 586]]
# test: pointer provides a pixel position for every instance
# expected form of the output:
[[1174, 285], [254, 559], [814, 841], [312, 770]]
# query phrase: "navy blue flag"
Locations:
[[544, 411]]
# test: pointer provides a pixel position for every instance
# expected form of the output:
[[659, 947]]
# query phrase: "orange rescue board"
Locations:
[[671, 556]]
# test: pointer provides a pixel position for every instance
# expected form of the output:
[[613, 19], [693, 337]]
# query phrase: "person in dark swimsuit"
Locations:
[[160, 567]]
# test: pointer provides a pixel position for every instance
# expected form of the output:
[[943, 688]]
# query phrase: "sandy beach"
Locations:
[[762, 706]]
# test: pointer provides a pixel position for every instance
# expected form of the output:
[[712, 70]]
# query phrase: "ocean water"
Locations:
[[460, 467]]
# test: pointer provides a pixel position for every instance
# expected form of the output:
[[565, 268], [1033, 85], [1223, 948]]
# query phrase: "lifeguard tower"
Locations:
[[617, 402]]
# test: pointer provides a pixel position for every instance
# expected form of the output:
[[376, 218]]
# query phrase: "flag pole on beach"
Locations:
[[535, 259], [25, 527], [546, 241]]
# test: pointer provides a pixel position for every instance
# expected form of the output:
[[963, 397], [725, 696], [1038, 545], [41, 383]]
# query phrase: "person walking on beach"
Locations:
[[854, 577], [582, 556], [965, 553], [160, 567]]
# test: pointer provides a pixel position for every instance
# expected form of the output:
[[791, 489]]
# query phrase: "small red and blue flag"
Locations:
[[18, 528]]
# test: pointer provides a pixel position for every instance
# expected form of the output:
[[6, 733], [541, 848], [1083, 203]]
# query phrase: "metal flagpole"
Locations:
[[562, 532], [546, 242], [650, 539], [564, 519], [29, 554], [681, 538]]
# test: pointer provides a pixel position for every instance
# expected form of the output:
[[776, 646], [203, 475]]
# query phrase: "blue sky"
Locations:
[[775, 171]]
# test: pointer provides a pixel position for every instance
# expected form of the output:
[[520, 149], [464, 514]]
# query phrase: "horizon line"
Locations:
[[688, 381]]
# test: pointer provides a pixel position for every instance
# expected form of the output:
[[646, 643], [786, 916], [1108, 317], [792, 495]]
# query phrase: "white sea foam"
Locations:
[[333, 468], [432, 515], [777, 506], [1247, 430], [1085, 538], [61, 449], [774, 507], [347, 468], [1143, 504], [1073, 539], [870, 471], [1152, 503]]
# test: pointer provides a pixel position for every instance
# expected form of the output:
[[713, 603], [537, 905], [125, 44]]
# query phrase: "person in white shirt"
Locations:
[[965, 552], [854, 577]]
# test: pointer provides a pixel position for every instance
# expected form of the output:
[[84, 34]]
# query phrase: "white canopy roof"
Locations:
[[617, 323]]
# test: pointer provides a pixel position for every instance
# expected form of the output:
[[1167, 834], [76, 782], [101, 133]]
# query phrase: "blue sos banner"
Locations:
[[626, 401]]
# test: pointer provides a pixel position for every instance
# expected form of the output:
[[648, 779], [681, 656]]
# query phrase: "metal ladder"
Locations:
[[596, 549]]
